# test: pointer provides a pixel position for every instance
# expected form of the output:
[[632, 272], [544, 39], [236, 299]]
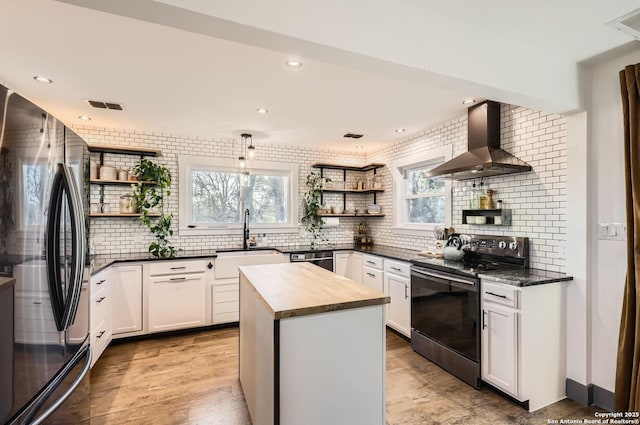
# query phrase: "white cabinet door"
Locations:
[[177, 302], [499, 347], [399, 309], [356, 267], [342, 264], [127, 299], [372, 278]]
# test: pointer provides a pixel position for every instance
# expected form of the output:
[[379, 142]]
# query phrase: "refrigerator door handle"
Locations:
[[63, 374], [78, 249], [53, 247]]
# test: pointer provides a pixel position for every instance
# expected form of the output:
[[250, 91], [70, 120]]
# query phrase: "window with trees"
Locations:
[[421, 202], [218, 193]]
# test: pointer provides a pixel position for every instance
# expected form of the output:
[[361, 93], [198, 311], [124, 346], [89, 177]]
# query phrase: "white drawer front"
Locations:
[[99, 308], [372, 261], [157, 268], [397, 267], [223, 297], [500, 294], [100, 280]]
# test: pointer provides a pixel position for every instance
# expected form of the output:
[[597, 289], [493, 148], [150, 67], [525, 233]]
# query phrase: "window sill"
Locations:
[[426, 230], [212, 230]]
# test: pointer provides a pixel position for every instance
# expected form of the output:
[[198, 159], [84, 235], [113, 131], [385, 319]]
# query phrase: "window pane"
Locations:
[[33, 177], [216, 197], [426, 210], [418, 184], [267, 198]]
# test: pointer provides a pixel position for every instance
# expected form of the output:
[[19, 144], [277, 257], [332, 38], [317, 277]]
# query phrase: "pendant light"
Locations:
[[242, 159]]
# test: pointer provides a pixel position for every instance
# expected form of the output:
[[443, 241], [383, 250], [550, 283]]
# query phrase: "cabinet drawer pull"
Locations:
[[99, 300], [370, 262], [496, 295], [405, 292], [37, 302], [484, 323], [173, 279], [396, 269], [178, 268], [371, 274], [100, 282], [100, 335]]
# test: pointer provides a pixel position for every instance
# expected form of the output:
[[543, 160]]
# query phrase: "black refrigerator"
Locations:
[[44, 300]]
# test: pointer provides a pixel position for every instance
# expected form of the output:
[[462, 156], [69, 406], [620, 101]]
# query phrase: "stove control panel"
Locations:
[[506, 246]]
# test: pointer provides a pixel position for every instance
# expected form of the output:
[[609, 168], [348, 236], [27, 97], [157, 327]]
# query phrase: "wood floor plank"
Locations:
[[192, 378]]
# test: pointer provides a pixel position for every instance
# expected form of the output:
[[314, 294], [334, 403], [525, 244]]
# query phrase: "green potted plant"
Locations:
[[312, 205], [154, 183]]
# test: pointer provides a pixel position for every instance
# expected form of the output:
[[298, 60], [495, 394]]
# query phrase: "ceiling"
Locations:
[[199, 68]]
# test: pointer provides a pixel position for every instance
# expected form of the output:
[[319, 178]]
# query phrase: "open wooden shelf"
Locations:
[[125, 150], [368, 167], [353, 190], [121, 215], [353, 215], [127, 182]]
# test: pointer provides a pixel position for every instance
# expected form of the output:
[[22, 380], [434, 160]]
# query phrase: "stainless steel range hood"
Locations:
[[484, 157]]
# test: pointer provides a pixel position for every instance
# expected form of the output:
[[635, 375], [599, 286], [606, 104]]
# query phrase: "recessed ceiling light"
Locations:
[[262, 111], [294, 63], [43, 80], [84, 118], [359, 147], [400, 130], [468, 101]]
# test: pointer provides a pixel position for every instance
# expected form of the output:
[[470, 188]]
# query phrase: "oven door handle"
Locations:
[[445, 277]]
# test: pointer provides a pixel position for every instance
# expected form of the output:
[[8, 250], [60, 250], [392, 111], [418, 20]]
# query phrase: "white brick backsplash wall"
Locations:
[[537, 199], [126, 235]]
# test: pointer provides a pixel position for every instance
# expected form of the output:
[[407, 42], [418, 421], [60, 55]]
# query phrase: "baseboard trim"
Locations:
[[603, 398], [588, 395]]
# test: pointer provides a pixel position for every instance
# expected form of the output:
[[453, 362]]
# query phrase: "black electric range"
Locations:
[[445, 301]]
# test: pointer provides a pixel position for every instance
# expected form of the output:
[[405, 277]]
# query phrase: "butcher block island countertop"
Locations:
[[312, 347], [299, 289]]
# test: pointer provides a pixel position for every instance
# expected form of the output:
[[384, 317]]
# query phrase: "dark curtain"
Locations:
[[627, 370]]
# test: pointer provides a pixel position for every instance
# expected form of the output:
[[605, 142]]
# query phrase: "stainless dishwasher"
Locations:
[[323, 259]]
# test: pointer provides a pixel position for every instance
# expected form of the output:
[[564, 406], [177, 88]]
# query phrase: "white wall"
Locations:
[[538, 199], [608, 258]]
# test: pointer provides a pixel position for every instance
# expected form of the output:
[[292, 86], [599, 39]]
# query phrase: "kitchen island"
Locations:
[[312, 347]]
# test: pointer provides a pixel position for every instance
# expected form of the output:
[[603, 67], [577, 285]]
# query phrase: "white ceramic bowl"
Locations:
[[471, 219], [480, 219]]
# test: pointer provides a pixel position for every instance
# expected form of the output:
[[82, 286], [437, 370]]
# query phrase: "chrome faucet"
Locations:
[[245, 230]]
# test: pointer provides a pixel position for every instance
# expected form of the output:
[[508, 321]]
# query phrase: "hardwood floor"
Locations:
[[193, 379]]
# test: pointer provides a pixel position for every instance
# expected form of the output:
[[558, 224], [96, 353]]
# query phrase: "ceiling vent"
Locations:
[[105, 105], [628, 23], [353, 135]]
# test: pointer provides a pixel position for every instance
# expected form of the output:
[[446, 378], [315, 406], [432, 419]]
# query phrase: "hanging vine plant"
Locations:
[[149, 198], [311, 208]]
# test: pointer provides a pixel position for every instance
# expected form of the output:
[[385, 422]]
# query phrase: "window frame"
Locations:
[[187, 163], [399, 168]]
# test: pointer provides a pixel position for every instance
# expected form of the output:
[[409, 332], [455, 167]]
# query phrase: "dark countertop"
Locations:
[[525, 277], [517, 277], [514, 277], [101, 262], [379, 250]]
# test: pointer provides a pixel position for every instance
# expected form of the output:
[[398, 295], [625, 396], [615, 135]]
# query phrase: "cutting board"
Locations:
[[430, 254]]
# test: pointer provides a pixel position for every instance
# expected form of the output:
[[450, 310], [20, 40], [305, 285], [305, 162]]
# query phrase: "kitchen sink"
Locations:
[[226, 264], [248, 252]]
